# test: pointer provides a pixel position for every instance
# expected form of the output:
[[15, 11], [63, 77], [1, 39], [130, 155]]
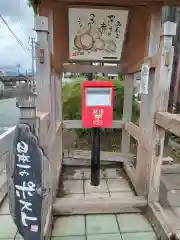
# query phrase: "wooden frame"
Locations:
[[149, 134], [168, 121], [115, 205], [125, 2], [82, 68]]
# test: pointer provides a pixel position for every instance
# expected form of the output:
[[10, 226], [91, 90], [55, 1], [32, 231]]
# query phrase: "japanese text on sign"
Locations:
[[28, 188], [98, 117]]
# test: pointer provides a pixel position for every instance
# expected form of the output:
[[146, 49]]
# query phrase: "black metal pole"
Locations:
[[95, 152], [95, 157]]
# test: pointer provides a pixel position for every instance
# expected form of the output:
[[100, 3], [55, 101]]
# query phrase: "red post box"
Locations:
[[97, 104]]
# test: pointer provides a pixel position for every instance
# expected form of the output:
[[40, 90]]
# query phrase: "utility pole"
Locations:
[[32, 44], [18, 69]]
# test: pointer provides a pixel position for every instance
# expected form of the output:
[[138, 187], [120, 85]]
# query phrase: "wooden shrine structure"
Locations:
[[146, 41]]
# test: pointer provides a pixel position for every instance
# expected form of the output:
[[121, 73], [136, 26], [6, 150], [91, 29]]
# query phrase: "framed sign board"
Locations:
[[96, 34]]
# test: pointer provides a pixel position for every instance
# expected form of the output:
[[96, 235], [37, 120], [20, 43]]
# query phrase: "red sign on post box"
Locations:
[[97, 104]]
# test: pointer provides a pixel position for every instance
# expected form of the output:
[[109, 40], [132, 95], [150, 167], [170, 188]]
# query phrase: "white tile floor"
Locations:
[[112, 184], [90, 227], [103, 227]]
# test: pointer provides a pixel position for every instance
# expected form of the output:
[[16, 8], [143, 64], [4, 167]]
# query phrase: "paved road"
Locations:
[[9, 116], [9, 113]]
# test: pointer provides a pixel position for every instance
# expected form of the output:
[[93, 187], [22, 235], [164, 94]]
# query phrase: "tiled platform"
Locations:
[[103, 227], [76, 184], [90, 227], [132, 226], [113, 184]]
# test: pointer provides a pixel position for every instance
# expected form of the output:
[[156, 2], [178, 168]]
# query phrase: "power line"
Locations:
[[17, 39]]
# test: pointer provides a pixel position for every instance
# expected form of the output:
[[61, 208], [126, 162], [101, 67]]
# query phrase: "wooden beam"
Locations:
[[137, 67], [106, 156], [122, 2], [171, 169], [136, 133], [80, 68], [131, 172], [127, 110], [168, 121], [43, 70], [43, 119], [133, 130], [149, 160], [145, 121], [158, 219], [78, 124], [159, 103], [78, 162], [83, 158], [108, 205]]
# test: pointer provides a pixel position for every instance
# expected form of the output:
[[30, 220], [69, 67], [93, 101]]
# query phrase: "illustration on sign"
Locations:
[[27, 183], [96, 33]]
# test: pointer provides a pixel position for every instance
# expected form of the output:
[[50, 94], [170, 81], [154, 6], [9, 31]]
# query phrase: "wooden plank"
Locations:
[[43, 121], [92, 206], [125, 2], [127, 110], [137, 67], [134, 131], [137, 134], [82, 162], [106, 156], [158, 219], [81, 68], [78, 124], [168, 121], [171, 169], [83, 158], [131, 172]]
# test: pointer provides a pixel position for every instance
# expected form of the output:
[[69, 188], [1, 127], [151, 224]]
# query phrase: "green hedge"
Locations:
[[72, 94]]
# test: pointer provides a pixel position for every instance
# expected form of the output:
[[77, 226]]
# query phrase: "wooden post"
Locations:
[[161, 88], [146, 116], [127, 111], [145, 120], [148, 170], [43, 66]]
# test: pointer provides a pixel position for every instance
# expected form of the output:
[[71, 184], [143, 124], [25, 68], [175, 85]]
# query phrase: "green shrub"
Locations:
[[72, 95]]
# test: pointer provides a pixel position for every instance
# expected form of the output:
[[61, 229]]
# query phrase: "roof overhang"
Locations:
[[113, 2]]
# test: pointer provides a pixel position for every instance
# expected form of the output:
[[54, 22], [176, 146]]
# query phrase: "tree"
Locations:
[[34, 4]]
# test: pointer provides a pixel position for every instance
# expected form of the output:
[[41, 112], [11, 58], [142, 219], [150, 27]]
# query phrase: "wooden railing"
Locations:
[[6, 139], [168, 121]]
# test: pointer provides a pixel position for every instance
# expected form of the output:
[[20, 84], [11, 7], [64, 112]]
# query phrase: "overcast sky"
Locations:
[[20, 19]]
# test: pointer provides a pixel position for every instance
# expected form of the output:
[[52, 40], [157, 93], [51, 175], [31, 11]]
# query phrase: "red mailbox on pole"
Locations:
[[97, 104]]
